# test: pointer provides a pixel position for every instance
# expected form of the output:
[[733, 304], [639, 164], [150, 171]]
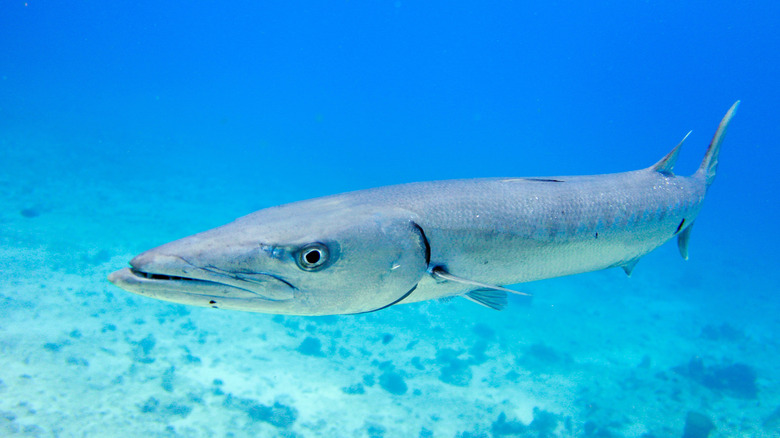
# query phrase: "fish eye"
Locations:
[[312, 256]]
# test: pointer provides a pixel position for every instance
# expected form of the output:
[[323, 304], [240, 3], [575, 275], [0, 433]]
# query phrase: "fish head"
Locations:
[[317, 257]]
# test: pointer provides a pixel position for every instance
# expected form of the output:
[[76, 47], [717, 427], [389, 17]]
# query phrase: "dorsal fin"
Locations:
[[666, 165]]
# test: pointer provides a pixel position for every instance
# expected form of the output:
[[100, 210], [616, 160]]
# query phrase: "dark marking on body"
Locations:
[[679, 227], [391, 304], [543, 180], [426, 244], [596, 235]]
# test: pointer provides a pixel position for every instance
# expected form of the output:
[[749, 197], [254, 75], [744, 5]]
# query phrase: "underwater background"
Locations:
[[125, 125]]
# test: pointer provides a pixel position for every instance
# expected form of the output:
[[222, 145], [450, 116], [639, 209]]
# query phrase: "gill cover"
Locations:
[[374, 260]]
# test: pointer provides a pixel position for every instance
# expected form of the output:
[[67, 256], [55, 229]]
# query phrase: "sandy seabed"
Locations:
[[680, 346]]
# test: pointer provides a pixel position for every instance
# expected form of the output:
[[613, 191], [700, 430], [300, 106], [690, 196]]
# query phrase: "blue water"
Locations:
[[126, 125]]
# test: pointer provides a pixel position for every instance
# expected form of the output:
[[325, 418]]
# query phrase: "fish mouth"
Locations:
[[151, 276], [208, 282]]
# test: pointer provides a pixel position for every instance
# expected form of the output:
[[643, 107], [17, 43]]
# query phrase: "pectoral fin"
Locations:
[[440, 274], [488, 295]]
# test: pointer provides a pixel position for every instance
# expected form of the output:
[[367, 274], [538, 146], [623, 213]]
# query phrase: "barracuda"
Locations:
[[367, 250]]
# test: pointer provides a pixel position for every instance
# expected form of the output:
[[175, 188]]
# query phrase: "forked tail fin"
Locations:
[[709, 166]]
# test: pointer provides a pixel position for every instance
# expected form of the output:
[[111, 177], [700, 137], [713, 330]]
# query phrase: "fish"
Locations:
[[367, 250]]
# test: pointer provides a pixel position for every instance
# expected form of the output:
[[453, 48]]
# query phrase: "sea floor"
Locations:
[[680, 348]]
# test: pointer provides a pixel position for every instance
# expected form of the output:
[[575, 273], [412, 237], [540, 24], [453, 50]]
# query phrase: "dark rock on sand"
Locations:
[[697, 425]]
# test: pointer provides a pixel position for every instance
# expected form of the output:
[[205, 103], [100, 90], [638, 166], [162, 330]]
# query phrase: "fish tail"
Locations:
[[709, 166]]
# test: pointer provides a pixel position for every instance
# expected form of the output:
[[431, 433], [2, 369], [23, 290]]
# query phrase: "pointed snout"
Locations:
[[184, 257], [148, 266], [157, 262], [144, 260], [118, 278]]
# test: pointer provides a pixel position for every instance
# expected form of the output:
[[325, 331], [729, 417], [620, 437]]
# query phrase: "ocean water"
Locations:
[[125, 125]]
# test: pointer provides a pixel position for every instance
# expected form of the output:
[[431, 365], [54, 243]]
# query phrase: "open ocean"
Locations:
[[126, 125]]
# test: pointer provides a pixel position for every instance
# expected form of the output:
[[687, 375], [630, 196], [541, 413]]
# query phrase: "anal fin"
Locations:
[[629, 266]]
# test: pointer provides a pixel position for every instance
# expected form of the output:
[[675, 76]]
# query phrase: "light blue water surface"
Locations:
[[127, 125]]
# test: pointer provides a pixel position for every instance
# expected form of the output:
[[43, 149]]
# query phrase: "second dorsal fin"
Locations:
[[666, 165]]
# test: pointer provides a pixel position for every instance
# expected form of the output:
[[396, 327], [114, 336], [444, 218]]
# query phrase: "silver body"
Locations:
[[515, 230], [421, 241]]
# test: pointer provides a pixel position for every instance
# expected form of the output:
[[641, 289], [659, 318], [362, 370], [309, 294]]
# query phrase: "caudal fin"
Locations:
[[709, 166]]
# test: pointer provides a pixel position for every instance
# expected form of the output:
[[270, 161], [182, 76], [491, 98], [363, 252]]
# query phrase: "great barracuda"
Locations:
[[370, 249]]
